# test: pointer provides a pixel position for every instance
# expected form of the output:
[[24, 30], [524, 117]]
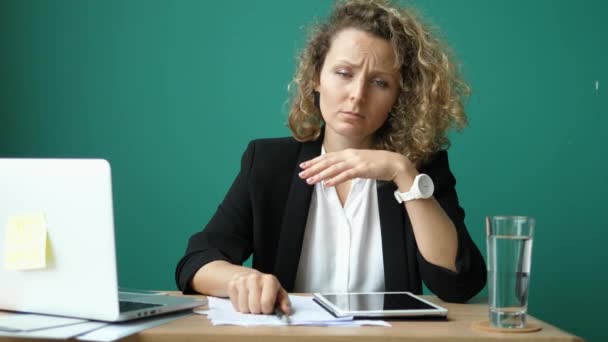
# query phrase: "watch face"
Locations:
[[426, 186]]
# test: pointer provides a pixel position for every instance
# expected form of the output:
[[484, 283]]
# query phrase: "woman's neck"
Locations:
[[333, 142]]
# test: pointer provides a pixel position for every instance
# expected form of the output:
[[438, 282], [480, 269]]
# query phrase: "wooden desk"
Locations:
[[456, 328]]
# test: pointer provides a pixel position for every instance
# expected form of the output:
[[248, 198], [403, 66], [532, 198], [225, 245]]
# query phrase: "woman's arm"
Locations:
[[450, 263], [249, 290], [434, 231], [210, 265]]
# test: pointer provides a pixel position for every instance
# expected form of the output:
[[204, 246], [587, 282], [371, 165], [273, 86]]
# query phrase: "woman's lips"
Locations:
[[351, 114]]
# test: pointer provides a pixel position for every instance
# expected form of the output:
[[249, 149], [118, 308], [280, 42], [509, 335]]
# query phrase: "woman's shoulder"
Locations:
[[437, 157], [280, 142], [437, 166], [272, 151], [272, 157]]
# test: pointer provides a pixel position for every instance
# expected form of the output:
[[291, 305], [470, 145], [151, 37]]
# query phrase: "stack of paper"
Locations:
[[53, 327], [42, 326], [305, 312], [116, 331]]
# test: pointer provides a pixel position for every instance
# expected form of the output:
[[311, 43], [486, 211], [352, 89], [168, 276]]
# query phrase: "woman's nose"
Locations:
[[357, 90]]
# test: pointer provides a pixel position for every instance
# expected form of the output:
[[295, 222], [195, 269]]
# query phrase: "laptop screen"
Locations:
[[57, 238]]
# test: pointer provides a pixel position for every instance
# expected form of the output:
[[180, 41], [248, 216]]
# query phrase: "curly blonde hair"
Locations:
[[431, 92]]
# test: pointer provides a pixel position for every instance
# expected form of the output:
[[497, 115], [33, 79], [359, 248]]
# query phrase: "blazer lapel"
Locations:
[[294, 220], [392, 227]]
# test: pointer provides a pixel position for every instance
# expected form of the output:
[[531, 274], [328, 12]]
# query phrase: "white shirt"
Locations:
[[342, 247]]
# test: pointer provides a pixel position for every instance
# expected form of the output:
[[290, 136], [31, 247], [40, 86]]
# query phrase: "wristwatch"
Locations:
[[422, 188]]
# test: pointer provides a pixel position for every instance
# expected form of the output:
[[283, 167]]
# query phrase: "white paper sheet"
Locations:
[[305, 312], [113, 332], [19, 322], [64, 332]]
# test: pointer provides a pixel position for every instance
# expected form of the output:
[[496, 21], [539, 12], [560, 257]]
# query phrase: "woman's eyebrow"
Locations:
[[358, 66]]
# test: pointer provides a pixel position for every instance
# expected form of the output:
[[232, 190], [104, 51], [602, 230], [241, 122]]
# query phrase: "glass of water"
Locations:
[[509, 247]]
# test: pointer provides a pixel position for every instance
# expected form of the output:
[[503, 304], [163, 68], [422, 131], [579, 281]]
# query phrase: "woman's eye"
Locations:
[[343, 74], [380, 83]]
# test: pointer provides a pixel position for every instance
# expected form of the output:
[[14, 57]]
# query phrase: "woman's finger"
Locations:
[[328, 160], [254, 288], [319, 166], [305, 165], [283, 301], [328, 172], [243, 295], [342, 177], [233, 294], [268, 297]]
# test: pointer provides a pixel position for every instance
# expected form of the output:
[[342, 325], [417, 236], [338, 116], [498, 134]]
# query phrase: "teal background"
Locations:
[[170, 92]]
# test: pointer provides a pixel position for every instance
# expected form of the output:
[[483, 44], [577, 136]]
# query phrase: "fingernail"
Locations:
[[310, 180], [301, 174], [302, 164]]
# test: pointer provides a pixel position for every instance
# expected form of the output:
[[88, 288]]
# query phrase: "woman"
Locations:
[[347, 203]]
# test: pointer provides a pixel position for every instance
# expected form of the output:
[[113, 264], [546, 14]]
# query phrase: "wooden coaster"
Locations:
[[485, 326]]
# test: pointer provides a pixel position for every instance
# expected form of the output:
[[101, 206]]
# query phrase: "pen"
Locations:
[[282, 316]]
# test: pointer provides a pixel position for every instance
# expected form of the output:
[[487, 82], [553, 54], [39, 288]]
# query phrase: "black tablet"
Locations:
[[378, 304]]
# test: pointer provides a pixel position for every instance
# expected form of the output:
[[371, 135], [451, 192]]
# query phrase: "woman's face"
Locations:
[[358, 84]]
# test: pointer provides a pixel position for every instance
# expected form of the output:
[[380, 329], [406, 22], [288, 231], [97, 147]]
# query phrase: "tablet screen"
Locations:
[[377, 302]]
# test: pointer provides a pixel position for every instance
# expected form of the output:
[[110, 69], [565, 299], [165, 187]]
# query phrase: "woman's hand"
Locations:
[[256, 292], [336, 167]]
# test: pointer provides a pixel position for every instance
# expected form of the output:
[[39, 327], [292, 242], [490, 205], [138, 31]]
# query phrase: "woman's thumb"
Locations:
[[283, 299]]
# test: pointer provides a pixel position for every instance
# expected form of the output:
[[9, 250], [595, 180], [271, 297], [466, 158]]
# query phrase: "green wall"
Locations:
[[171, 91]]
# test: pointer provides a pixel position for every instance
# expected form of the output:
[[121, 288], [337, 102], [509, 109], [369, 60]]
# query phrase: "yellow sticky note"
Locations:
[[25, 242]]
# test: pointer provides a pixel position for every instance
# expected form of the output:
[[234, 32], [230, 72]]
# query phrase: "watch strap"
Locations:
[[406, 196]]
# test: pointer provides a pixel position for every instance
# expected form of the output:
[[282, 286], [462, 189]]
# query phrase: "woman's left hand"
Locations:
[[336, 167]]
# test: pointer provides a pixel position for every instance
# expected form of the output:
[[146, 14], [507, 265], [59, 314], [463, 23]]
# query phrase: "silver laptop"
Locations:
[[80, 277]]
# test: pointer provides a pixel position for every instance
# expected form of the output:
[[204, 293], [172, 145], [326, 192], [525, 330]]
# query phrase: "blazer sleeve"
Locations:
[[470, 277], [228, 235]]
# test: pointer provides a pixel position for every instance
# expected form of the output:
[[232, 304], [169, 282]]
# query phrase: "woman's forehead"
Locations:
[[360, 48]]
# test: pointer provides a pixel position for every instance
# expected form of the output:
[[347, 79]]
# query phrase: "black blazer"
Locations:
[[266, 209]]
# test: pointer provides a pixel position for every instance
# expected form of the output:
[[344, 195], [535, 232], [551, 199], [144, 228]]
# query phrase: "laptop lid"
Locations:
[[74, 197]]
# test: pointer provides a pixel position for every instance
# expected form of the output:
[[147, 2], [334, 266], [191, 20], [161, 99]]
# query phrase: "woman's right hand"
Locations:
[[256, 292]]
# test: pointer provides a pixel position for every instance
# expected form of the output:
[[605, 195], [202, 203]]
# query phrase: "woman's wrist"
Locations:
[[405, 174]]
